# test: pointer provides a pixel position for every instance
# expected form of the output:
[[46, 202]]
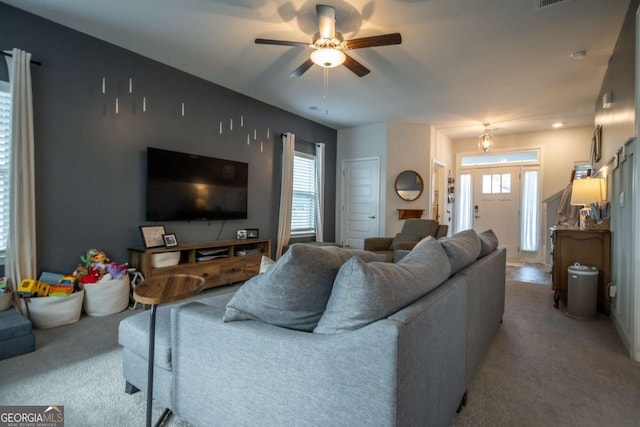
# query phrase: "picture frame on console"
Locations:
[[170, 240], [253, 233], [152, 235], [241, 234], [596, 145]]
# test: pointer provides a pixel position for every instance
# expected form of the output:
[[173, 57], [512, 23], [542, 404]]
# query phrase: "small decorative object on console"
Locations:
[[170, 240], [241, 234], [152, 235]]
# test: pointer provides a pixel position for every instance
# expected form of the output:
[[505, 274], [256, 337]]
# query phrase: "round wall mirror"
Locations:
[[409, 185]]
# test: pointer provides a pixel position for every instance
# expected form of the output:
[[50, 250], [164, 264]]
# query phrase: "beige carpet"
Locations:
[[546, 369], [542, 369]]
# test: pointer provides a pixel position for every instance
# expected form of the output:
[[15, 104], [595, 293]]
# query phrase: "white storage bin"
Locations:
[[106, 297], [5, 300], [165, 259], [51, 312]]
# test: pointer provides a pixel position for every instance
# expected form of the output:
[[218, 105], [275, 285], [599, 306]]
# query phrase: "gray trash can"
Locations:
[[582, 292]]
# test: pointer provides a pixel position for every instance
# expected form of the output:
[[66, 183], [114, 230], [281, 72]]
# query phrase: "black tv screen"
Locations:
[[182, 187]]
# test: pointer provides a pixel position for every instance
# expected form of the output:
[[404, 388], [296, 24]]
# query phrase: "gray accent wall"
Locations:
[[91, 162]]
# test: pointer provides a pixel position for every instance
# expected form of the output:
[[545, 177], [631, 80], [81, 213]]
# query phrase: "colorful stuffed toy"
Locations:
[[117, 270], [97, 267]]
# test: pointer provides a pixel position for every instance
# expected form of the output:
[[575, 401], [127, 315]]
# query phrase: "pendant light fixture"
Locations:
[[486, 140]]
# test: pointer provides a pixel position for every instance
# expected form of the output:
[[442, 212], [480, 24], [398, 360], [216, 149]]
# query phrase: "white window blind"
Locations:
[[303, 205], [5, 144]]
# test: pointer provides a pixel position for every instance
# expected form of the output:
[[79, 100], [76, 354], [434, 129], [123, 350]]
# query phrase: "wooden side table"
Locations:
[[161, 290]]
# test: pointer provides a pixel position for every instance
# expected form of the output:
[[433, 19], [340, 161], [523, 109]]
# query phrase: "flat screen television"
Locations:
[[184, 187]]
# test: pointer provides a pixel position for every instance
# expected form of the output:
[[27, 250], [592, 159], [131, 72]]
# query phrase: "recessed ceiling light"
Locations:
[[557, 125], [579, 54]]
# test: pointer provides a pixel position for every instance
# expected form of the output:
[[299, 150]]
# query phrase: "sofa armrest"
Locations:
[[377, 243], [238, 373]]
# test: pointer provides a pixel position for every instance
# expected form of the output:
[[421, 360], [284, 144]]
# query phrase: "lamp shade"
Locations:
[[586, 191], [328, 57]]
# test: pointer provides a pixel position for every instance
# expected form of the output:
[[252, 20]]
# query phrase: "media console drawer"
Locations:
[[233, 267], [210, 271]]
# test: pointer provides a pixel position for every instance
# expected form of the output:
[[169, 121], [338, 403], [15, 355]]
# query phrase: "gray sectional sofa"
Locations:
[[352, 343]]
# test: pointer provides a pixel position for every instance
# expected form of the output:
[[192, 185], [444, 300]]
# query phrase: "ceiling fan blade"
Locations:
[[382, 40], [281, 43], [326, 21], [302, 69], [356, 67]]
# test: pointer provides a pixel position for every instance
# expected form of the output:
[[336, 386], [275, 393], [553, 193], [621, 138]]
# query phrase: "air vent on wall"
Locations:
[[542, 4]]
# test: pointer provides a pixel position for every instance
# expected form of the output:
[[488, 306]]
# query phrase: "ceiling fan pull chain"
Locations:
[[325, 90]]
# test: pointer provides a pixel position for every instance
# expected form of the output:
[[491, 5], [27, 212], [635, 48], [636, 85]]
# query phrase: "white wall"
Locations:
[[400, 146], [407, 149], [560, 150], [442, 151], [361, 142]]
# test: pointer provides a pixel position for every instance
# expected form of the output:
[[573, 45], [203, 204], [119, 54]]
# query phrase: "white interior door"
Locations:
[[496, 205], [360, 206]]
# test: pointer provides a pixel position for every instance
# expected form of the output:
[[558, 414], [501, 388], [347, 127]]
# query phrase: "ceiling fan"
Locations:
[[329, 46]]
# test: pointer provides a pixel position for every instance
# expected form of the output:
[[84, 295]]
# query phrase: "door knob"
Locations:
[[372, 217]]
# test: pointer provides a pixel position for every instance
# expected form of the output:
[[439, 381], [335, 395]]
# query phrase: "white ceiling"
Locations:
[[461, 62]]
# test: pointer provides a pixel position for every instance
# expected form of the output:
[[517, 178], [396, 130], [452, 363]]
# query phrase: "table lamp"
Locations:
[[585, 192]]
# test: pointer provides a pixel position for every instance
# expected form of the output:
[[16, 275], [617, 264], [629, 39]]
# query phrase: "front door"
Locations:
[[360, 206], [497, 205]]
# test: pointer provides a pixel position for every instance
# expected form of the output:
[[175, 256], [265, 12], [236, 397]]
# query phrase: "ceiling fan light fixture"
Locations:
[[328, 57]]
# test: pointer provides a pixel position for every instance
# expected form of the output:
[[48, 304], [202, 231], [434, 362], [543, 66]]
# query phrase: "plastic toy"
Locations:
[[61, 290], [30, 288]]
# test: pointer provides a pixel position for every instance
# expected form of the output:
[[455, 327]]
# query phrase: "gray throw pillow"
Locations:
[[488, 242], [363, 293], [462, 249], [293, 292]]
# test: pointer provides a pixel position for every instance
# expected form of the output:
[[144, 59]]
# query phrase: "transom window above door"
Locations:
[[514, 157], [496, 183]]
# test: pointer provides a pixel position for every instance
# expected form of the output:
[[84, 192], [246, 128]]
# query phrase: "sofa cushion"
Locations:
[[488, 242], [400, 240], [293, 292], [265, 263], [363, 293], [133, 334], [462, 249]]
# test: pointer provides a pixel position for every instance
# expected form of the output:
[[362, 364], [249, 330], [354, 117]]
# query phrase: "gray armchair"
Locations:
[[412, 232]]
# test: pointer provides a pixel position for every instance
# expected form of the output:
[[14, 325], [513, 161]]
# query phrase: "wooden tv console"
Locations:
[[220, 262]]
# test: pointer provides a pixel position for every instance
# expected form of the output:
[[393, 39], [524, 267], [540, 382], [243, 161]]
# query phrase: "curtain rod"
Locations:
[[302, 140], [38, 63]]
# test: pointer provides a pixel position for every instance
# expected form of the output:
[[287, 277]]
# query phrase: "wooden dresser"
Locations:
[[591, 248]]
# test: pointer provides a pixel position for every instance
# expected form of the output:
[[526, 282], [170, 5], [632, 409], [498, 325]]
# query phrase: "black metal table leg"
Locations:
[[164, 415], [152, 339]]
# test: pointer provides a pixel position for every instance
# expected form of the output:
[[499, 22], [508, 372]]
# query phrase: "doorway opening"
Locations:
[[502, 192]]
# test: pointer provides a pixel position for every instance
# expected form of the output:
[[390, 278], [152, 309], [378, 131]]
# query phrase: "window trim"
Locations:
[[304, 233], [5, 87]]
